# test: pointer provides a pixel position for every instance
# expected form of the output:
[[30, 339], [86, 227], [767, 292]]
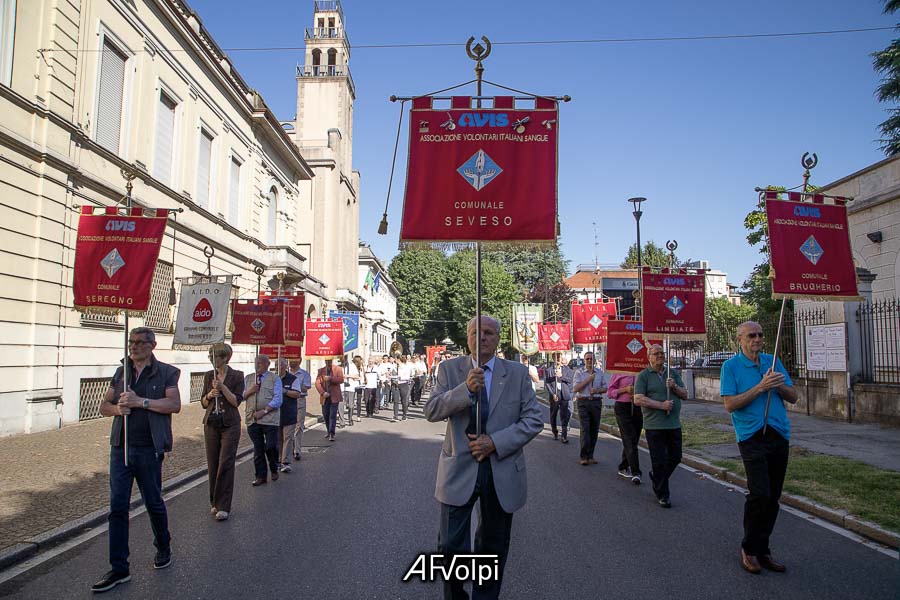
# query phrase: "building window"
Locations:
[[91, 393], [271, 230], [204, 167], [111, 97], [158, 315], [234, 192], [165, 138], [7, 39]]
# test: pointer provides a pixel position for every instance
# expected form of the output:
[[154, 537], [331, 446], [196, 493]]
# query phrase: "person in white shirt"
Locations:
[[419, 370], [352, 377], [384, 378], [532, 371], [404, 383], [590, 385], [371, 389], [301, 384]]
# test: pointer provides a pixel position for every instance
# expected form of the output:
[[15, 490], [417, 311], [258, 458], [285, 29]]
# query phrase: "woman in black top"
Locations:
[[223, 391]]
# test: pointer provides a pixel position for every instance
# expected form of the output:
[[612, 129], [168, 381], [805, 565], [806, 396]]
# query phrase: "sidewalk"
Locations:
[[51, 478]]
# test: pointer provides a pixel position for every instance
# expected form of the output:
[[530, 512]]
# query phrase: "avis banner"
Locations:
[[810, 249], [589, 320], [430, 351], [324, 338], [481, 174], [115, 258], [674, 304], [202, 311], [554, 337], [294, 314], [257, 322], [626, 350], [350, 322], [525, 320]]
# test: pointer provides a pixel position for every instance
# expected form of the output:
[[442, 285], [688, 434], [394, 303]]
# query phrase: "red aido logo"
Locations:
[[203, 311]]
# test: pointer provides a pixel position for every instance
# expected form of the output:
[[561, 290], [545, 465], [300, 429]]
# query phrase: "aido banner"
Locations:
[[257, 322], [202, 311], [324, 338], [626, 350], [589, 321], [115, 257], [525, 320], [810, 250], [554, 337], [674, 304], [481, 174]]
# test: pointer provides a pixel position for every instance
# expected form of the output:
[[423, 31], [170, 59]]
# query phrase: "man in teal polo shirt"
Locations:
[[659, 395], [747, 380]]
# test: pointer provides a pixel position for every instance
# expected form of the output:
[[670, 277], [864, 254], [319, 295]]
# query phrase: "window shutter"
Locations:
[[234, 192], [273, 207], [112, 89], [203, 168], [165, 133]]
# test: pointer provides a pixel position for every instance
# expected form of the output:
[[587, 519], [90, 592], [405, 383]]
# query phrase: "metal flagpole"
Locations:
[[259, 271], [671, 245], [128, 176]]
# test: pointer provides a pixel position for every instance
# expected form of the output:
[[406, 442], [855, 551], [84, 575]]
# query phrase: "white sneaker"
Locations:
[[286, 469], [221, 515]]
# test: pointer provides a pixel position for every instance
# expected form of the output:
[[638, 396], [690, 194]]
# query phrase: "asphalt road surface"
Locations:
[[351, 518]]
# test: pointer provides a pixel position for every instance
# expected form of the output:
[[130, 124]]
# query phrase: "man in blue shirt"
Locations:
[[748, 382]]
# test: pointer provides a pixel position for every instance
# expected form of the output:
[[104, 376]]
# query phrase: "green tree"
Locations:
[[651, 256], [722, 319], [528, 266], [559, 293], [499, 291], [887, 63], [420, 275]]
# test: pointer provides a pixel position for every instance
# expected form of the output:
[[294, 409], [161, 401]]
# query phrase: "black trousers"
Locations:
[[265, 448], [359, 401], [416, 390], [371, 395], [765, 461], [589, 418], [491, 536], [665, 455], [559, 410], [630, 420], [403, 392]]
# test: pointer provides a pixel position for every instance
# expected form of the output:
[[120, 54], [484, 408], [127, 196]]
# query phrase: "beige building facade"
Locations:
[[91, 88]]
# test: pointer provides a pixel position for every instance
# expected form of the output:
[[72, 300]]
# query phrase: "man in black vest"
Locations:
[[148, 403], [288, 415]]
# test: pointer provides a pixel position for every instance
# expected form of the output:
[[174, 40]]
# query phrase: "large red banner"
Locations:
[[324, 338], [294, 314], [626, 350], [481, 173], [430, 351], [288, 352], [810, 250], [257, 323], [589, 321], [115, 257], [554, 337], [674, 304]]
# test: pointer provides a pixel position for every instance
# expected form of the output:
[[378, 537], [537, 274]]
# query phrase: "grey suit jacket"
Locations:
[[514, 419]]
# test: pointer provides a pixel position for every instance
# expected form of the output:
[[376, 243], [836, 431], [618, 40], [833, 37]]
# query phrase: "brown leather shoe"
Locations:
[[583, 462], [258, 482], [274, 475], [767, 562], [592, 461], [749, 563]]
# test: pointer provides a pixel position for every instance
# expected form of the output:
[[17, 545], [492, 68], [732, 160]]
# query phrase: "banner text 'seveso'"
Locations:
[[481, 174]]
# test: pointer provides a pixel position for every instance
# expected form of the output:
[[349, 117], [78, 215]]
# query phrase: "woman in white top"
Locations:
[[404, 382], [351, 382], [371, 390]]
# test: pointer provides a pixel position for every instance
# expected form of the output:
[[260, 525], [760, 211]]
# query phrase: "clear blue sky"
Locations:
[[693, 126]]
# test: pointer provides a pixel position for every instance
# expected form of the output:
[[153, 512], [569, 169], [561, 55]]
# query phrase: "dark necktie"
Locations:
[[485, 407]]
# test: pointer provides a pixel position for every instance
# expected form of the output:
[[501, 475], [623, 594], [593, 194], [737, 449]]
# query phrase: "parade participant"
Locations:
[[558, 380], [348, 390], [328, 384], [263, 397], [589, 386], [630, 422], [149, 402], [435, 367], [747, 380], [223, 392], [385, 370], [419, 371], [345, 388], [659, 395], [532, 371], [360, 385], [404, 383], [490, 467], [288, 419], [302, 382], [371, 390]]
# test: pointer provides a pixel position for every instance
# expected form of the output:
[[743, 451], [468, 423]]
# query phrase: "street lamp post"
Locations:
[[636, 202]]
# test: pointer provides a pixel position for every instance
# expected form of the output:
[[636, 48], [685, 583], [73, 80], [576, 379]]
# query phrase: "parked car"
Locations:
[[712, 360]]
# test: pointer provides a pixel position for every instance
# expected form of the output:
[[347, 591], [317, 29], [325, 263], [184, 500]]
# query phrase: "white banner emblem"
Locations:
[[202, 311]]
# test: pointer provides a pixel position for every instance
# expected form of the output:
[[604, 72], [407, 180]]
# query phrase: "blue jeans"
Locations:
[[144, 466], [329, 415]]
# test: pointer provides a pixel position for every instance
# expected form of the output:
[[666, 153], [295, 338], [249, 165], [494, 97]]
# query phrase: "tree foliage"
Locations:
[[887, 63], [559, 293], [420, 275], [529, 266], [651, 256], [722, 319]]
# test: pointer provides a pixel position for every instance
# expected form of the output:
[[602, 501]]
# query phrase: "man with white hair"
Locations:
[[489, 467]]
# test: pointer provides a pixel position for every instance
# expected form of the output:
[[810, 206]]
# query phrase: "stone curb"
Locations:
[[52, 537]]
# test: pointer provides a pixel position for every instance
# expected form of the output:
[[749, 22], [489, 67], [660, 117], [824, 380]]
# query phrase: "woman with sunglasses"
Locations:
[[223, 391]]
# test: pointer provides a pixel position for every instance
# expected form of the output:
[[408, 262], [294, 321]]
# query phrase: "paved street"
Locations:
[[350, 520]]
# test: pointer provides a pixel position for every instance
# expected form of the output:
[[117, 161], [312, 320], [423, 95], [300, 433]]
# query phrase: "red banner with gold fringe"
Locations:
[[554, 337], [589, 320], [626, 349], [674, 304], [257, 322], [115, 258], [324, 338]]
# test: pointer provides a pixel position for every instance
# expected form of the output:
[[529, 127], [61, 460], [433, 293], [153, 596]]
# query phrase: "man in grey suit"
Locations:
[[490, 467]]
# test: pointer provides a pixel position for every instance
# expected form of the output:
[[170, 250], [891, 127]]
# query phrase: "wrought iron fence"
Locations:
[[879, 347]]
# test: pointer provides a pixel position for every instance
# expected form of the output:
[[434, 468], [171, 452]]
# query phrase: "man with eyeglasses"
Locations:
[[659, 394], [747, 382], [589, 386], [149, 402]]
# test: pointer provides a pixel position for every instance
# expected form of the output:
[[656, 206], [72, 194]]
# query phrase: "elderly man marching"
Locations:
[[262, 402], [659, 392], [590, 385], [748, 381]]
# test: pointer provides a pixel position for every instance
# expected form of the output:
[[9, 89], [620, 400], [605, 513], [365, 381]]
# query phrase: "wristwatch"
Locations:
[[146, 403]]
